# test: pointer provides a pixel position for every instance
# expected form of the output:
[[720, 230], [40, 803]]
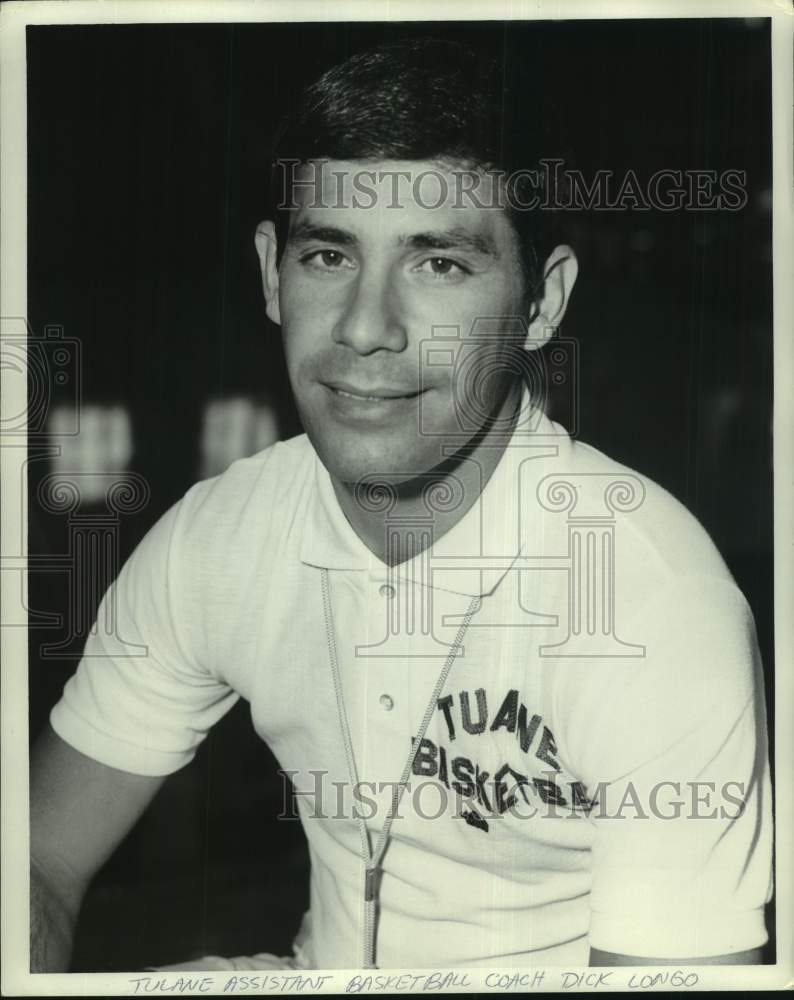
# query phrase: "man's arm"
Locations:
[[80, 810], [750, 957], [683, 845]]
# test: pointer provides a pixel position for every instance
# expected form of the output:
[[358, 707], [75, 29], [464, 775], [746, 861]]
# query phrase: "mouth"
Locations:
[[370, 395]]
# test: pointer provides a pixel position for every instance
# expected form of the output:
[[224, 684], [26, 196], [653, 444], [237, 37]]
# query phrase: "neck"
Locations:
[[470, 468]]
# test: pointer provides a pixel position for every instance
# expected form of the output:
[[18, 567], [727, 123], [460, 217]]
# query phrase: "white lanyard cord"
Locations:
[[372, 859]]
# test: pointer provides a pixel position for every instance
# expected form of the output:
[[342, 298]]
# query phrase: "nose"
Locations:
[[371, 317]]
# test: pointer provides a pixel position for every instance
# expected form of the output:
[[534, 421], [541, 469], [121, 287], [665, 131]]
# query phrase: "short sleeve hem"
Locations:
[[668, 935], [81, 735]]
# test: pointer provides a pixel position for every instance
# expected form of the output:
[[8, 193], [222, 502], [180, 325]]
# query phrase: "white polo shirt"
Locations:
[[580, 779]]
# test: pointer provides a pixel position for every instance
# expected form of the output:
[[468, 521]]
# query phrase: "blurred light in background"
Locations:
[[235, 428], [103, 444]]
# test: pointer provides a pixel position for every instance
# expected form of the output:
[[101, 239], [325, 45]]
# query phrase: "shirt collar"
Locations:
[[472, 557]]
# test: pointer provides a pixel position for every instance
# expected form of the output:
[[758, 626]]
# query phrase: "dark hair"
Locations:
[[424, 99]]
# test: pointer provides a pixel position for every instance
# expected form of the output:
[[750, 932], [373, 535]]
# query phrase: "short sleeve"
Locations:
[[141, 700], [682, 852]]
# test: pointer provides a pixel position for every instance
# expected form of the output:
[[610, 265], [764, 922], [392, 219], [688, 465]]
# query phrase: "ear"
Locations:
[[559, 277], [265, 241]]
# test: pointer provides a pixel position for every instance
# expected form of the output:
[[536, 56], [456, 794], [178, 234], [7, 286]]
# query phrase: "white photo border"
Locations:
[[14, 18]]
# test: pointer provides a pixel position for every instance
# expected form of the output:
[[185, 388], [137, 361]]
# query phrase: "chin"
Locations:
[[350, 458]]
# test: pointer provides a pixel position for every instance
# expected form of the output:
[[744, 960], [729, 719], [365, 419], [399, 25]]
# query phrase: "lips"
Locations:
[[373, 394]]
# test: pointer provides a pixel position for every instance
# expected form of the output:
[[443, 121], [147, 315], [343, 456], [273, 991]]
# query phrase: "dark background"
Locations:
[[148, 152]]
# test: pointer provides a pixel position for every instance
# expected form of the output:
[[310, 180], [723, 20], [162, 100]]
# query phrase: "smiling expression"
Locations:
[[360, 289]]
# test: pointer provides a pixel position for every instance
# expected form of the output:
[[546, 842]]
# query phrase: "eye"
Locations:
[[443, 268], [326, 260]]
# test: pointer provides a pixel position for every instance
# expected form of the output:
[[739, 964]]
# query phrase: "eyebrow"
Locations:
[[304, 232], [455, 238]]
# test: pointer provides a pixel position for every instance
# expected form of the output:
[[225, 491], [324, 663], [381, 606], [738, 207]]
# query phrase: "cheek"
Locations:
[[301, 324], [292, 343], [298, 294], [479, 380], [496, 296]]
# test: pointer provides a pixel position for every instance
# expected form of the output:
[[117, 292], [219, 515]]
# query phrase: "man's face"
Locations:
[[361, 287]]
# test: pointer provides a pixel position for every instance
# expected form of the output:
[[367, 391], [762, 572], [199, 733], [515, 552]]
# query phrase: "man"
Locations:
[[513, 682]]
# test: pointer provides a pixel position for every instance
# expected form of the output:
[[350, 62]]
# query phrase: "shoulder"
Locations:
[[654, 531], [243, 517], [668, 590], [261, 493], [690, 666], [274, 472]]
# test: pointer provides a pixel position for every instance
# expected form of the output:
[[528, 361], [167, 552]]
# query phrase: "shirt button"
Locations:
[[386, 590], [387, 702]]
